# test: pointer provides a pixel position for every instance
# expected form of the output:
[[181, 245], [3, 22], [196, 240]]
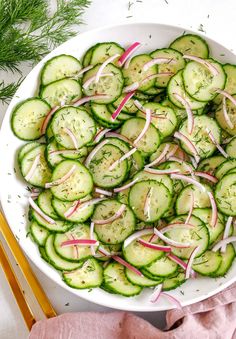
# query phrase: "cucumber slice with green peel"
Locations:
[[77, 154], [159, 200], [200, 137], [109, 85], [163, 118], [118, 230], [137, 163], [142, 96], [49, 133], [200, 198], [104, 50], [151, 139], [100, 164], [227, 260], [176, 86], [123, 196], [141, 256], [129, 107], [175, 63], [225, 167], [161, 178], [196, 237], [225, 194], [102, 115], [80, 214], [87, 57], [163, 267], [230, 85], [205, 215], [191, 44], [27, 118], [59, 226], [45, 204], [140, 280], [59, 67], [64, 90], [115, 279], [38, 233], [208, 263], [211, 164], [231, 110], [27, 148], [43, 254], [79, 231], [55, 260], [231, 148], [135, 72], [52, 157], [154, 91], [42, 173], [200, 83], [122, 145], [89, 275], [78, 185], [179, 112], [74, 120], [110, 248], [173, 282], [148, 275]]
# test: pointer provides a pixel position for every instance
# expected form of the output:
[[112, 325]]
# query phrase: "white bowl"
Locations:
[[14, 195]]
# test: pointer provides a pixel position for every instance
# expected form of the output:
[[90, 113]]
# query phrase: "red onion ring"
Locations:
[[203, 62], [125, 156], [128, 52], [126, 264], [189, 111], [103, 66], [62, 179], [121, 105], [111, 219], [40, 212], [154, 246], [33, 168], [190, 262]]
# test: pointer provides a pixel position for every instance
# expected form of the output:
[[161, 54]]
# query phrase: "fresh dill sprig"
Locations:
[[7, 91]]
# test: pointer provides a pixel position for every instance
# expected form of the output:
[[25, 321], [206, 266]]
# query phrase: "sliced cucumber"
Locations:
[[90, 275], [28, 117], [45, 203], [115, 279], [231, 110], [87, 57], [38, 233], [52, 157], [27, 148], [137, 163], [59, 226], [118, 230], [129, 107], [103, 116], [227, 261], [59, 67], [191, 44], [225, 194], [64, 90], [163, 267], [159, 200], [173, 282], [211, 164], [225, 167], [161, 178], [231, 148], [208, 263], [140, 280], [104, 50]]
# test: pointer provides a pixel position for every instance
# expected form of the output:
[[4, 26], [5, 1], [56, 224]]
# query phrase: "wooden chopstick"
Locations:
[[16, 289], [25, 268]]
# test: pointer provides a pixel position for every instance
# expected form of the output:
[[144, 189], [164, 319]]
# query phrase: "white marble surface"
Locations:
[[215, 17]]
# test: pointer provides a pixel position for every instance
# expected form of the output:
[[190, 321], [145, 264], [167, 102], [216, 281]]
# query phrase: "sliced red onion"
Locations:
[[160, 172], [188, 143], [122, 188], [173, 151], [172, 299], [104, 192], [85, 69], [114, 217], [47, 119], [137, 235], [182, 162], [194, 162], [153, 238], [92, 79], [72, 137], [226, 116], [101, 134], [40, 212], [223, 242], [83, 242], [121, 105], [203, 62], [119, 136], [147, 203], [226, 232], [94, 151], [89, 98], [169, 241], [177, 260], [191, 208], [190, 262], [154, 246], [33, 168], [158, 61], [125, 156], [103, 66], [72, 209], [140, 106], [188, 180], [62, 179], [128, 52], [90, 202], [189, 111], [126, 264], [207, 176], [156, 294], [173, 226], [75, 248], [131, 88], [160, 158], [154, 76], [220, 149], [104, 252], [91, 233], [226, 95], [146, 126]]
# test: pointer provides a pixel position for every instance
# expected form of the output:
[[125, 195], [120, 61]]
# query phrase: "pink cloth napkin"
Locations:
[[214, 318]]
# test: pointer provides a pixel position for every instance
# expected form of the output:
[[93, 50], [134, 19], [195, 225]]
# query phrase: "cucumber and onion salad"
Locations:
[[132, 162]]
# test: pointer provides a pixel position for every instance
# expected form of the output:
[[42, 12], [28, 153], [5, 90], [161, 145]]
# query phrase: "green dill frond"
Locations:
[[7, 91]]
